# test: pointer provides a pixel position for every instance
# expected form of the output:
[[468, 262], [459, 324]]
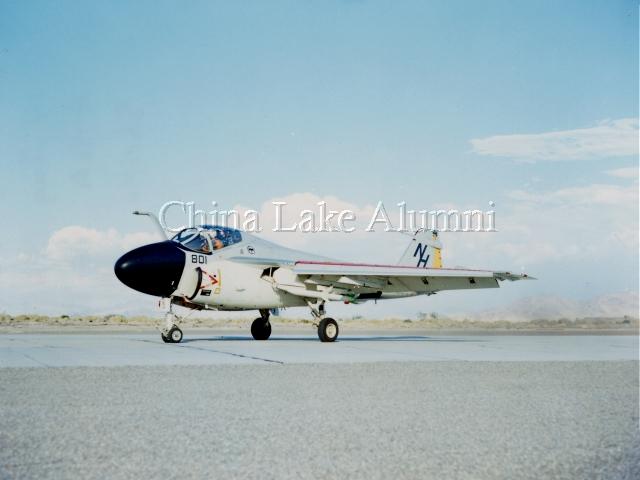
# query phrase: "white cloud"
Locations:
[[76, 241], [595, 219], [542, 229], [357, 245], [73, 273], [595, 194], [535, 229], [610, 138], [625, 172], [296, 202]]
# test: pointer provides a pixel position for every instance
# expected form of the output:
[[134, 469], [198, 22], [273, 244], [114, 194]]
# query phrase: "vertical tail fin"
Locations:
[[424, 251]]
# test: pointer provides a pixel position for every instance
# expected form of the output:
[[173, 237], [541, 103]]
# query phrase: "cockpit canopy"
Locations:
[[207, 238]]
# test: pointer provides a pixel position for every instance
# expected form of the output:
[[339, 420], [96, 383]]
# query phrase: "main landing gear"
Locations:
[[171, 333], [261, 328], [327, 327]]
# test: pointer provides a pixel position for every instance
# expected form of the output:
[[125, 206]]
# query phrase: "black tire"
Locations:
[[328, 330], [260, 329], [165, 339], [174, 335]]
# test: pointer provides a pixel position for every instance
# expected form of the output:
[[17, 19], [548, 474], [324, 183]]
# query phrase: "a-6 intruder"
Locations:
[[222, 268]]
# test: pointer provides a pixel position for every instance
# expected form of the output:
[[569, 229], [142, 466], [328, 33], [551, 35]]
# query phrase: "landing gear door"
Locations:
[[191, 280]]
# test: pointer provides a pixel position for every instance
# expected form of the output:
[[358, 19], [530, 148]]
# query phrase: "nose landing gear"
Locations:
[[173, 336], [171, 333]]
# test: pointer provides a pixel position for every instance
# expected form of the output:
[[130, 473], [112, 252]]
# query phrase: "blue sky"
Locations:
[[111, 106]]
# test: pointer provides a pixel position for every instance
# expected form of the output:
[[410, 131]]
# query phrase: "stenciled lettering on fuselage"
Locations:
[[421, 253], [201, 259]]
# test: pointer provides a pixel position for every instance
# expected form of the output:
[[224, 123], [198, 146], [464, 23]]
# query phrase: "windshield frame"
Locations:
[[216, 237], [186, 238]]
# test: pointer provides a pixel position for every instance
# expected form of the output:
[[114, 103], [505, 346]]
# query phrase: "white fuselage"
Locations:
[[234, 278]]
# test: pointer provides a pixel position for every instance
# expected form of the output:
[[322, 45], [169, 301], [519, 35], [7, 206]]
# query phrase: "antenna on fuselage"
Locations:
[[155, 221]]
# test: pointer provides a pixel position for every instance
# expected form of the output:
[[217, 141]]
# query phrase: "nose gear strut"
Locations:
[[171, 333]]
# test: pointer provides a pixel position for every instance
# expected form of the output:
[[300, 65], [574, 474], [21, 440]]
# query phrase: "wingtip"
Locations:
[[513, 276], [524, 276]]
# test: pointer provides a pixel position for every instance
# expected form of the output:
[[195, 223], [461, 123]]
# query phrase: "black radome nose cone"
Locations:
[[154, 269]]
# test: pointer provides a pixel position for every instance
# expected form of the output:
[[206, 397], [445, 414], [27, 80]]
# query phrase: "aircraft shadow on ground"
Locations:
[[346, 339]]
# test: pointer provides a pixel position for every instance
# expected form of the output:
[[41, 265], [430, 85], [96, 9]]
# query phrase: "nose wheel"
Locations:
[[173, 336], [171, 333]]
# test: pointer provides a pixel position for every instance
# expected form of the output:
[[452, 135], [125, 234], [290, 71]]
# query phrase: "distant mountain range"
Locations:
[[555, 307], [530, 308]]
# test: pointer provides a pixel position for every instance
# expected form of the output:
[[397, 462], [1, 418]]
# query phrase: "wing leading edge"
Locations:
[[337, 268], [353, 281]]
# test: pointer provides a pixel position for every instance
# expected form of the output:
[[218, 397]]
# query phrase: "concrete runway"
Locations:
[[119, 349], [370, 406]]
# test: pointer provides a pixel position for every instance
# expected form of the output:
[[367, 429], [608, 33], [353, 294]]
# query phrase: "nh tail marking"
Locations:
[[423, 256]]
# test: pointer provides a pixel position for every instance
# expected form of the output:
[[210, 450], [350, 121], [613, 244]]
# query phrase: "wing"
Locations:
[[359, 281]]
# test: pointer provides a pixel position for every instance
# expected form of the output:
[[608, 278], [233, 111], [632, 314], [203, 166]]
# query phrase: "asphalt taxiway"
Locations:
[[120, 349], [376, 405]]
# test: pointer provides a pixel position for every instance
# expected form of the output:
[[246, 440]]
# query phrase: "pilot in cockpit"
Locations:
[[205, 245], [217, 240]]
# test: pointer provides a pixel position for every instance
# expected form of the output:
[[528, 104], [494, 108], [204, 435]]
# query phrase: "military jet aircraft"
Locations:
[[221, 268]]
